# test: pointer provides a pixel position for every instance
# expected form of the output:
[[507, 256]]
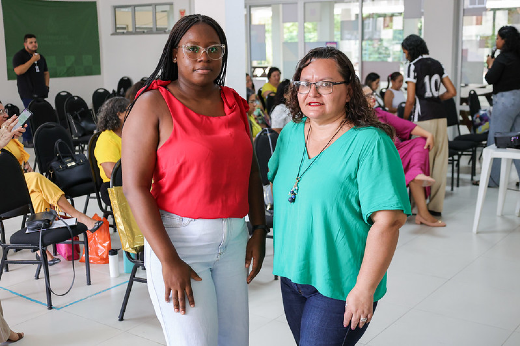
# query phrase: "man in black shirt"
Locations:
[[32, 75]]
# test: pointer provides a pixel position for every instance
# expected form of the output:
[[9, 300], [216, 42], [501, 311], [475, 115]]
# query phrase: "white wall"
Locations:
[[230, 14]]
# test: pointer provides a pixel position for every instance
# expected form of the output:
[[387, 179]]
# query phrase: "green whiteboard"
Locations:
[[67, 34]]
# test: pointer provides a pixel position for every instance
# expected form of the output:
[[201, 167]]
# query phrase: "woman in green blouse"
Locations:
[[340, 198]]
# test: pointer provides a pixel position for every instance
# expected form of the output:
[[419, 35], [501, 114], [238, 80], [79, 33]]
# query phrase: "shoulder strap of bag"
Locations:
[[57, 151]]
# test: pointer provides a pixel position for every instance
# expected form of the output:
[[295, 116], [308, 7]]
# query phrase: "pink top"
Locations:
[[202, 170]]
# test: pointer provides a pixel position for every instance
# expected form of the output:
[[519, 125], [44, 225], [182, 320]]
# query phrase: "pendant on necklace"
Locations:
[[294, 191]]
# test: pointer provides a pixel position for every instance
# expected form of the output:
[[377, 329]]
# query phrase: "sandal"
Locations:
[[96, 226], [475, 182], [20, 336], [51, 262]]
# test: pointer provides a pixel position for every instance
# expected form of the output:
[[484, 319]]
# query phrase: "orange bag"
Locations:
[[98, 243]]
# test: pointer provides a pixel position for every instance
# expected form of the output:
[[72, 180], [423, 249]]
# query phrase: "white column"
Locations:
[[230, 14], [441, 33]]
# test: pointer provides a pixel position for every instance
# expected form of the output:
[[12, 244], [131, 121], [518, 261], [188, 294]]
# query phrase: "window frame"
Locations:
[[132, 10]]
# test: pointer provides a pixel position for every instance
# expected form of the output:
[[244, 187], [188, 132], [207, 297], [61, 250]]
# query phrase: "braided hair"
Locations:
[[415, 46], [166, 69], [357, 110]]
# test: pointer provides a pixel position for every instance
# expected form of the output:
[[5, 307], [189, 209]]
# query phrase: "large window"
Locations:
[[274, 38], [481, 21], [143, 19]]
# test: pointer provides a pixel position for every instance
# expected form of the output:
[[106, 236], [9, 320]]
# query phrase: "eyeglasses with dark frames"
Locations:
[[322, 87], [194, 52]]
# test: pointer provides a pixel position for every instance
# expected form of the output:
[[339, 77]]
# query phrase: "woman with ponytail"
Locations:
[[396, 95], [190, 179], [504, 74]]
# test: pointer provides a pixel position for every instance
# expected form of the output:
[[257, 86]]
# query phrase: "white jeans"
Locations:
[[215, 250]]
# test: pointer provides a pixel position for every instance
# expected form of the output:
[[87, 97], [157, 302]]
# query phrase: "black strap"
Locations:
[[57, 151]]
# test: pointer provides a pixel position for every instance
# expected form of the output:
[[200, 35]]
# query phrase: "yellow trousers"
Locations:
[[44, 192]]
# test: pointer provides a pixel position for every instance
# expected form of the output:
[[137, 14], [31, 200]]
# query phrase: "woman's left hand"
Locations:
[[255, 251], [359, 308], [27, 167], [489, 61], [429, 142]]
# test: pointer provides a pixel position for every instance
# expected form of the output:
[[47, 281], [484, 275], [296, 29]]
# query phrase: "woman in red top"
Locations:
[[189, 134]]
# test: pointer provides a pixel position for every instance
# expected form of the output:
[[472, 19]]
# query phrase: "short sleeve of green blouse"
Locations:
[[380, 176]]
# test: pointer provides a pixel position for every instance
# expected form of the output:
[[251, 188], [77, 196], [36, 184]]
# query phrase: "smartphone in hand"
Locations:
[[22, 119]]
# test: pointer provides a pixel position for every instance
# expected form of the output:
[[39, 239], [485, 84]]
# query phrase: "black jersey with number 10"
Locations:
[[427, 74]]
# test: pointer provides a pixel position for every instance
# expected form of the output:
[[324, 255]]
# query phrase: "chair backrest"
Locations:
[[451, 112], [123, 85], [93, 161], [265, 143], [11, 110], [382, 93], [400, 110], [59, 104], [117, 175], [44, 139], [98, 98], [260, 97], [269, 103], [77, 109], [473, 102], [42, 113], [13, 191]]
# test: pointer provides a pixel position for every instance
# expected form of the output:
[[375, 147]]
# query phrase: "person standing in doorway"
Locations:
[[32, 76], [424, 77]]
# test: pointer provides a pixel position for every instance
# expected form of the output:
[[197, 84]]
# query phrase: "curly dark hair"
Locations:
[[279, 98], [108, 118], [166, 69], [415, 46], [357, 110], [512, 39]]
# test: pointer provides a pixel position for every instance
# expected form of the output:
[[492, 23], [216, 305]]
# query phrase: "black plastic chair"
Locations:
[[59, 104], [459, 148], [81, 122], [98, 98], [44, 140], [123, 85], [11, 110], [400, 110], [96, 177], [42, 113], [15, 195], [138, 261]]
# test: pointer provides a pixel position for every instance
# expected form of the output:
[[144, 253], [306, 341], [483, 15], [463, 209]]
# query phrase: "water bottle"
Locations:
[[113, 263]]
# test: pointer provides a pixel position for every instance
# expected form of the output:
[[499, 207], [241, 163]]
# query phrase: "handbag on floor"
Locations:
[[99, 243], [69, 169]]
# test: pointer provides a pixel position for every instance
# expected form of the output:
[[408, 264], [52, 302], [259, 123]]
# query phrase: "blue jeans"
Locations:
[[504, 118], [216, 251], [316, 320]]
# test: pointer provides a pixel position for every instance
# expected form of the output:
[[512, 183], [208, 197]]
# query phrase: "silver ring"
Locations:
[[363, 319]]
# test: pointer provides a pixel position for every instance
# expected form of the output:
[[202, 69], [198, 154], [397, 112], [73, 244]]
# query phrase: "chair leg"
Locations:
[[128, 290], [45, 265], [2, 263], [452, 171], [86, 204], [87, 258], [458, 170]]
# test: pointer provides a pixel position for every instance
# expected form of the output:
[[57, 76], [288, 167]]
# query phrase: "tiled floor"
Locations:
[[447, 286]]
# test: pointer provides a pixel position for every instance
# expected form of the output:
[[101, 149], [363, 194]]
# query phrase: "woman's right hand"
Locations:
[[177, 281], [429, 142]]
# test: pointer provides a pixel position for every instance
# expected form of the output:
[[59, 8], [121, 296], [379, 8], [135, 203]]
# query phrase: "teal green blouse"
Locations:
[[320, 239]]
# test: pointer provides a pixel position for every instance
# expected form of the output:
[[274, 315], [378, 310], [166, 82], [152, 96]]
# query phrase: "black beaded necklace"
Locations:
[[294, 190]]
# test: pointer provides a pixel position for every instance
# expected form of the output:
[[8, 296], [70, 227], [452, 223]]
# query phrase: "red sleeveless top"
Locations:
[[202, 170]]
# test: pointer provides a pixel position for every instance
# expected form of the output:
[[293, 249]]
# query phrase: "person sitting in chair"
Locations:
[[44, 193], [108, 147]]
